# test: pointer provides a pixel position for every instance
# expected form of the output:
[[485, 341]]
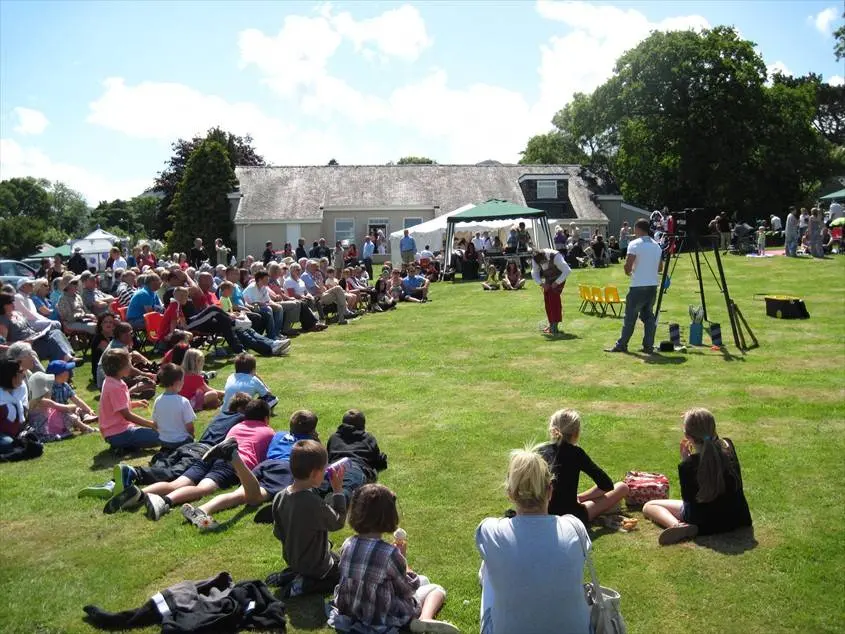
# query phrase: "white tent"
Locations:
[[95, 247], [433, 232]]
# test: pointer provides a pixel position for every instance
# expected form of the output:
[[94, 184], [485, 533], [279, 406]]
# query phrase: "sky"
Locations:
[[94, 93]]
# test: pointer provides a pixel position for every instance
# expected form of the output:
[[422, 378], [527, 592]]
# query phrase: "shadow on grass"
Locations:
[[107, 458], [733, 543], [306, 612], [232, 521], [659, 359], [561, 336]]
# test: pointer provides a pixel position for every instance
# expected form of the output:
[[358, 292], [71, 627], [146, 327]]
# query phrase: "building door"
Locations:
[[293, 233], [376, 225]]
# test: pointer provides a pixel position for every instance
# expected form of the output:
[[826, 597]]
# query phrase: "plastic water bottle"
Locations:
[[335, 466]]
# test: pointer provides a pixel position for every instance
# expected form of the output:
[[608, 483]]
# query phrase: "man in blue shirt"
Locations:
[[408, 248], [367, 250], [415, 285], [145, 300]]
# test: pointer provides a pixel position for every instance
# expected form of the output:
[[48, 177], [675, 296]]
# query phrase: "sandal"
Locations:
[[677, 533]]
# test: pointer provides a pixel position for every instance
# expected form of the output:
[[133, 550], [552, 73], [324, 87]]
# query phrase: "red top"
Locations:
[[173, 317], [202, 300], [147, 260], [192, 384]]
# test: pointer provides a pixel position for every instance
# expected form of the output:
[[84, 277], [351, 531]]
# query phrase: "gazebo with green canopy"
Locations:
[[840, 195], [496, 209]]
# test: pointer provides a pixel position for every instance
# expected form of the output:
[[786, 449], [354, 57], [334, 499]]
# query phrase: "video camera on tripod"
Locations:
[[693, 224]]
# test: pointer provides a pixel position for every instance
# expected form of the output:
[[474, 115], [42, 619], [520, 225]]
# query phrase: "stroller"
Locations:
[[744, 242]]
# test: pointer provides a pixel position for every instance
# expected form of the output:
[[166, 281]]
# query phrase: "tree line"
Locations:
[[691, 120]]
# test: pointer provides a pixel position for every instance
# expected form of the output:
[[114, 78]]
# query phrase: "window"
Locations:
[[344, 229], [411, 222], [546, 189]]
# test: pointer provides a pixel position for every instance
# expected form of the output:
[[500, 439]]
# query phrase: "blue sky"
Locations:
[[93, 93]]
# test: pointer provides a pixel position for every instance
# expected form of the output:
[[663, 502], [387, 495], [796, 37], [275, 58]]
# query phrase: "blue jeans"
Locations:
[[791, 244], [275, 319], [135, 438], [639, 303], [254, 341]]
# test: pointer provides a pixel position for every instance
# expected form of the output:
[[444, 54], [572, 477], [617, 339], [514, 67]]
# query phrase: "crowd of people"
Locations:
[[313, 488]]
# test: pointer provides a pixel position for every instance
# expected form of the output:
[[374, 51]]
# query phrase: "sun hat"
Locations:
[[24, 281], [40, 384]]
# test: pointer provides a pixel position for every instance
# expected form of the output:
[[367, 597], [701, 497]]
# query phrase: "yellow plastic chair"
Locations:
[[611, 299], [597, 299], [584, 296]]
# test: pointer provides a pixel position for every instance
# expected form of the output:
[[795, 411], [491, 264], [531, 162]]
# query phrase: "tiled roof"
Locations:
[[299, 192]]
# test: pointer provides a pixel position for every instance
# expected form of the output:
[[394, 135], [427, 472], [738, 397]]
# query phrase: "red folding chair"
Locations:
[[152, 326]]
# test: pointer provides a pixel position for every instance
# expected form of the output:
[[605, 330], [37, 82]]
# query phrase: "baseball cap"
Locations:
[[58, 367], [40, 384]]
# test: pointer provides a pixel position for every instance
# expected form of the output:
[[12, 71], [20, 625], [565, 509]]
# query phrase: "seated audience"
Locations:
[[512, 279], [101, 339], [375, 588], [541, 550], [713, 500], [172, 412], [194, 387], [72, 310], [94, 300], [26, 306], [48, 343], [120, 426], [247, 381], [567, 461], [415, 285], [144, 300], [15, 442]]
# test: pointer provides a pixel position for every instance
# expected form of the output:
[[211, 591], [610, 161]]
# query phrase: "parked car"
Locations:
[[11, 271]]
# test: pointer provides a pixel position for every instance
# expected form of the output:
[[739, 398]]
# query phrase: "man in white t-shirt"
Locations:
[[644, 264]]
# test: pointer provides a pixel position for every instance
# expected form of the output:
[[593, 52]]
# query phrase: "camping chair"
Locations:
[[121, 311], [152, 327], [597, 299], [611, 299], [80, 341], [114, 308]]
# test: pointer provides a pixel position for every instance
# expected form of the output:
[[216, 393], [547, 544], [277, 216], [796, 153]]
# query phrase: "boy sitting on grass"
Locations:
[[172, 413], [302, 521], [121, 428], [246, 380], [262, 483]]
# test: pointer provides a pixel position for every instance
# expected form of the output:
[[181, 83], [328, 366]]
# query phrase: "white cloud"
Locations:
[[583, 59], [778, 67], [397, 33], [836, 80], [823, 20], [30, 121], [17, 161]]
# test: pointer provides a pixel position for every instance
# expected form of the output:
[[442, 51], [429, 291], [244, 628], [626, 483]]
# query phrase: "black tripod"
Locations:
[[691, 244]]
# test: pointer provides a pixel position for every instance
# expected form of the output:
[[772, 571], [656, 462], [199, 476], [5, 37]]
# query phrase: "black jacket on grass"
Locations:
[[358, 445], [727, 512], [219, 426], [214, 605], [166, 466]]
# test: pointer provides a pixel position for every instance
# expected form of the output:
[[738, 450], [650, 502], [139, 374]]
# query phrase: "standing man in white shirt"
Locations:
[[644, 264], [550, 271], [367, 250]]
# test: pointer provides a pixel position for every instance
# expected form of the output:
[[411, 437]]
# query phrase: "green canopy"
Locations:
[[62, 250], [495, 209], [835, 195]]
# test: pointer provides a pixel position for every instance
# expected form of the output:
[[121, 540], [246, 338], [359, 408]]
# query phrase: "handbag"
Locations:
[[644, 487], [605, 617]]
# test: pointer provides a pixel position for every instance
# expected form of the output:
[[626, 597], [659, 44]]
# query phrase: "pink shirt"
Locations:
[[114, 397], [253, 438]]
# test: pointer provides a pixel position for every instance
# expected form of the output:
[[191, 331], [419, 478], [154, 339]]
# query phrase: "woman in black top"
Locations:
[[101, 339], [711, 485], [567, 460]]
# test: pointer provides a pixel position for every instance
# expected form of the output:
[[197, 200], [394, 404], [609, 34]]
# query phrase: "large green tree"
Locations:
[[200, 208], [688, 119], [24, 216], [239, 150], [69, 211]]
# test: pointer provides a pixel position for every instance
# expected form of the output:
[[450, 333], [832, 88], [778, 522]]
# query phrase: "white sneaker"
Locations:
[[156, 506], [281, 347]]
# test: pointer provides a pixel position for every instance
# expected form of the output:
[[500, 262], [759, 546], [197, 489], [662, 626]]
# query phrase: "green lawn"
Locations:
[[449, 388]]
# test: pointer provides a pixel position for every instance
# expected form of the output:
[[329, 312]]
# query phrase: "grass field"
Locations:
[[449, 388]]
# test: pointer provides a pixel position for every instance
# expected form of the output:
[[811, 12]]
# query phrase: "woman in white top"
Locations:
[[532, 566]]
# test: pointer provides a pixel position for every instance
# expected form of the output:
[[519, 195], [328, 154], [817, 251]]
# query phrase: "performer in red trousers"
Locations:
[[550, 271]]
